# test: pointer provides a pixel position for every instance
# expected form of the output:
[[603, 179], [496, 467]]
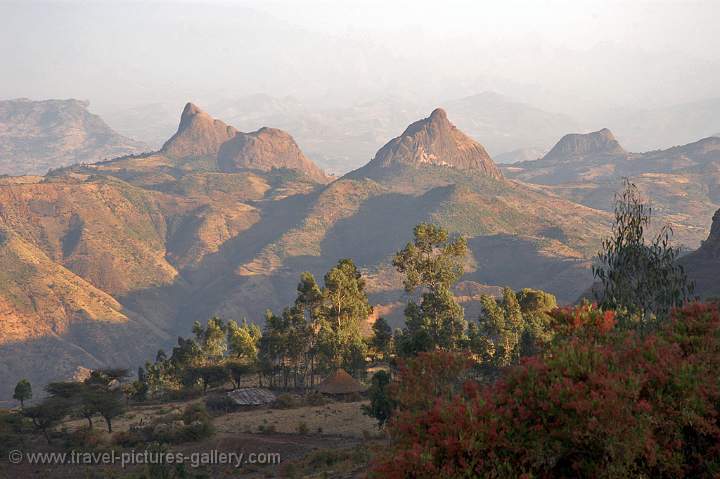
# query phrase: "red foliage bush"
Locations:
[[627, 406]]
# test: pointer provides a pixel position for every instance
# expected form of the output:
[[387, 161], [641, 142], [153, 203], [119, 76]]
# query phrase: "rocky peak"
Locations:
[[702, 265], [576, 145], [710, 248], [713, 240], [198, 135], [264, 150], [434, 141]]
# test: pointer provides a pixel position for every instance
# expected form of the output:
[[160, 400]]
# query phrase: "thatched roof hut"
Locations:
[[251, 396], [339, 383]]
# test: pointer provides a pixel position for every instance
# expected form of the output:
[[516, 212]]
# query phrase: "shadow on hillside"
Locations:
[[382, 226], [198, 291], [518, 263], [91, 344]]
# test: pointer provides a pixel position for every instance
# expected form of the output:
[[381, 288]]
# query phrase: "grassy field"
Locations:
[[333, 440]]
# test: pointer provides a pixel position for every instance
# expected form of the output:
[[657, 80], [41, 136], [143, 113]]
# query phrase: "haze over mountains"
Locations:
[[36, 136], [345, 137]]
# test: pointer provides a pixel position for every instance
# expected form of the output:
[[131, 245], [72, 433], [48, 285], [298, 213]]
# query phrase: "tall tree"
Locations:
[[345, 301], [109, 404], [432, 263], [309, 301], [23, 392], [382, 337], [381, 403], [243, 340], [639, 278], [345, 308], [321, 331], [212, 339]]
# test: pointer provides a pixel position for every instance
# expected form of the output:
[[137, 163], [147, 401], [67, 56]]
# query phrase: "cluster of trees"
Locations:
[[507, 328], [216, 353], [321, 331], [99, 395]]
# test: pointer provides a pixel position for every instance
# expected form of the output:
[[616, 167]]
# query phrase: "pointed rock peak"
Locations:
[[198, 135], [190, 109], [438, 114], [267, 149], [433, 141], [575, 145], [710, 248]]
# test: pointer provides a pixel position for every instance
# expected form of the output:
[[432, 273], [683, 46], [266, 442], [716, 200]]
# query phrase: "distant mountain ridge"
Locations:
[[662, 127], [504, 124], [36, 136], [577, 145], [344, 137], [681, 182]]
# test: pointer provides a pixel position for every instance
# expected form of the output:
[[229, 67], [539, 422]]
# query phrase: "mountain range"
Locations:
[[343, 138], [682, 182], [105, 263], [36, 136]]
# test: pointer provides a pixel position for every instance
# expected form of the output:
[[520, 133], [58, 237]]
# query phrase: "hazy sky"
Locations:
[[569, 56]]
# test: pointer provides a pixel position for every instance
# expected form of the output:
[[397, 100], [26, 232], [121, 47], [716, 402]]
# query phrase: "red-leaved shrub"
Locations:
[[627, 406]]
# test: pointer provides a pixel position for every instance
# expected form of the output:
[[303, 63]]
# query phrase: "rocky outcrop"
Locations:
[[199, 135], [433, 141], [264, 150], [576, 145], [703, 265]]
